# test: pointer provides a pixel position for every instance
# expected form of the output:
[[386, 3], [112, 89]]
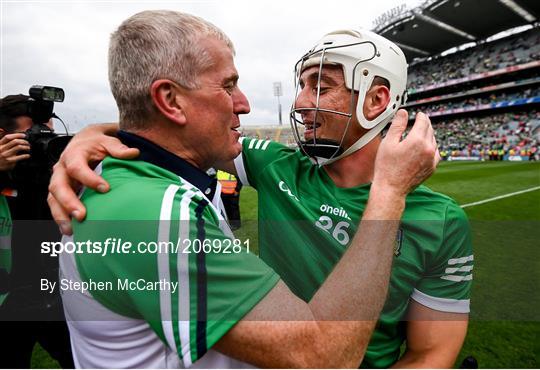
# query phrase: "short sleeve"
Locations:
[[446, 285], [256, 155], [191, 293]]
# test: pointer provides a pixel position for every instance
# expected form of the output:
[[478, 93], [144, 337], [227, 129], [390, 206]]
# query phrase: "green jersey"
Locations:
[[5, 240], [306, 222], [145, 308]]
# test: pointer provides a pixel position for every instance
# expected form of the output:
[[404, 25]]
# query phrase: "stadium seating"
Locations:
[[507, 134], [282, 134], [491, 116], [517, 49], [477, 101]]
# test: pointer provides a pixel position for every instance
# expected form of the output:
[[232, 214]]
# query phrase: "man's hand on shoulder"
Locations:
[[73, 171]]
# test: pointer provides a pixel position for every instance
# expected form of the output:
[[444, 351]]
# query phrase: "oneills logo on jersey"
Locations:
[[336, 211], [284, 188], [398, 243]]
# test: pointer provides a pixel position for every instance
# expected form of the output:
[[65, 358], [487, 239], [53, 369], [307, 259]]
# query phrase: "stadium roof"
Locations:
[[438, 25]]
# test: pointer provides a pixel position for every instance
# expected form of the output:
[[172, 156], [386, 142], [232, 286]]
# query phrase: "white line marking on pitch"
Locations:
[[500, 197]]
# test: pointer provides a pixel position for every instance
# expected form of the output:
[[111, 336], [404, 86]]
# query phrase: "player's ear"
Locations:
[[168, 98], [376, 101]]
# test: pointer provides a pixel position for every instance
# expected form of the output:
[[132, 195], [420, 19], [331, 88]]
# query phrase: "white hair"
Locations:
[[151, 45]]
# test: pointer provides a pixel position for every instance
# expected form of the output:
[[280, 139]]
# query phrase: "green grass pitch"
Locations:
[[505, 316], [504, 330]]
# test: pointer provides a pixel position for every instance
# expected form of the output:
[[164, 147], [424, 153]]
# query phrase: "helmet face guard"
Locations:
[[360, 59]]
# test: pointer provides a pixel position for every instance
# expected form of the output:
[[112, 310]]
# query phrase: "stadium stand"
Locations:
[[488, 101], [474, 67], [465, 114], [515, 50], [282, 134], [490, 137]]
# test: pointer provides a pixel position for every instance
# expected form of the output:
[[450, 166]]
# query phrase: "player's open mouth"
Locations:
[[310, 128]]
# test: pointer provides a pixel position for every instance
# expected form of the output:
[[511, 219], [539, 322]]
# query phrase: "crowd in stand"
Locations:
[[517, 49], [491, 137], [477, 101]]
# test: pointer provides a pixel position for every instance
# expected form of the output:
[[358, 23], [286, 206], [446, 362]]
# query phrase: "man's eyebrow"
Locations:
[[232, 78], [314, 76]]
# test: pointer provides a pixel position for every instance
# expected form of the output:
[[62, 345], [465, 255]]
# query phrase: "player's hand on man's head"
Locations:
[[403, 164], [13, 148], [74, 170]]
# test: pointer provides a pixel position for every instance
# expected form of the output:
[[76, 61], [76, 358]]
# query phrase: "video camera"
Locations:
[[45, 144]]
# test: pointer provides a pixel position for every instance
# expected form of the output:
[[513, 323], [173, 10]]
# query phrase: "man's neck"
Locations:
[[168, 141], [355, 169]]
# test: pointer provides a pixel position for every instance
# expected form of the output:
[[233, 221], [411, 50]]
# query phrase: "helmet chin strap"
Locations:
[[321, 149], [359, 144]]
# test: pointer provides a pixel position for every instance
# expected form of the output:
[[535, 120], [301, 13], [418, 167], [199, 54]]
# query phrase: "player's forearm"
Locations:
[[110, 129], [384, 204], [94, 134], [333, 330], [356, 289], [281, 332]]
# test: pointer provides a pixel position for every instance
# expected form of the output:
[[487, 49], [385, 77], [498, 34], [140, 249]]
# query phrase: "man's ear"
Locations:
[[168, 99], [2, 132], [376, 101]]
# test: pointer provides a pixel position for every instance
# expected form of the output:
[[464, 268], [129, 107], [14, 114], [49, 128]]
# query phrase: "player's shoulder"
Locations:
[[264, 146], [138, 190], [125, 172], [433, 205], [428, 194]]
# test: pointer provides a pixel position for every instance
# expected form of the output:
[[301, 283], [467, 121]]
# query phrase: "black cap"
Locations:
[[14, 105]]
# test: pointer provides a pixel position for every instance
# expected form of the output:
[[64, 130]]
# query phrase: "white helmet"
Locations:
[[362, 55]]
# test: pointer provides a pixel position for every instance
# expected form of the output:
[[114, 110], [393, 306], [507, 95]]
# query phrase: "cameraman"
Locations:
[[28, 314]]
